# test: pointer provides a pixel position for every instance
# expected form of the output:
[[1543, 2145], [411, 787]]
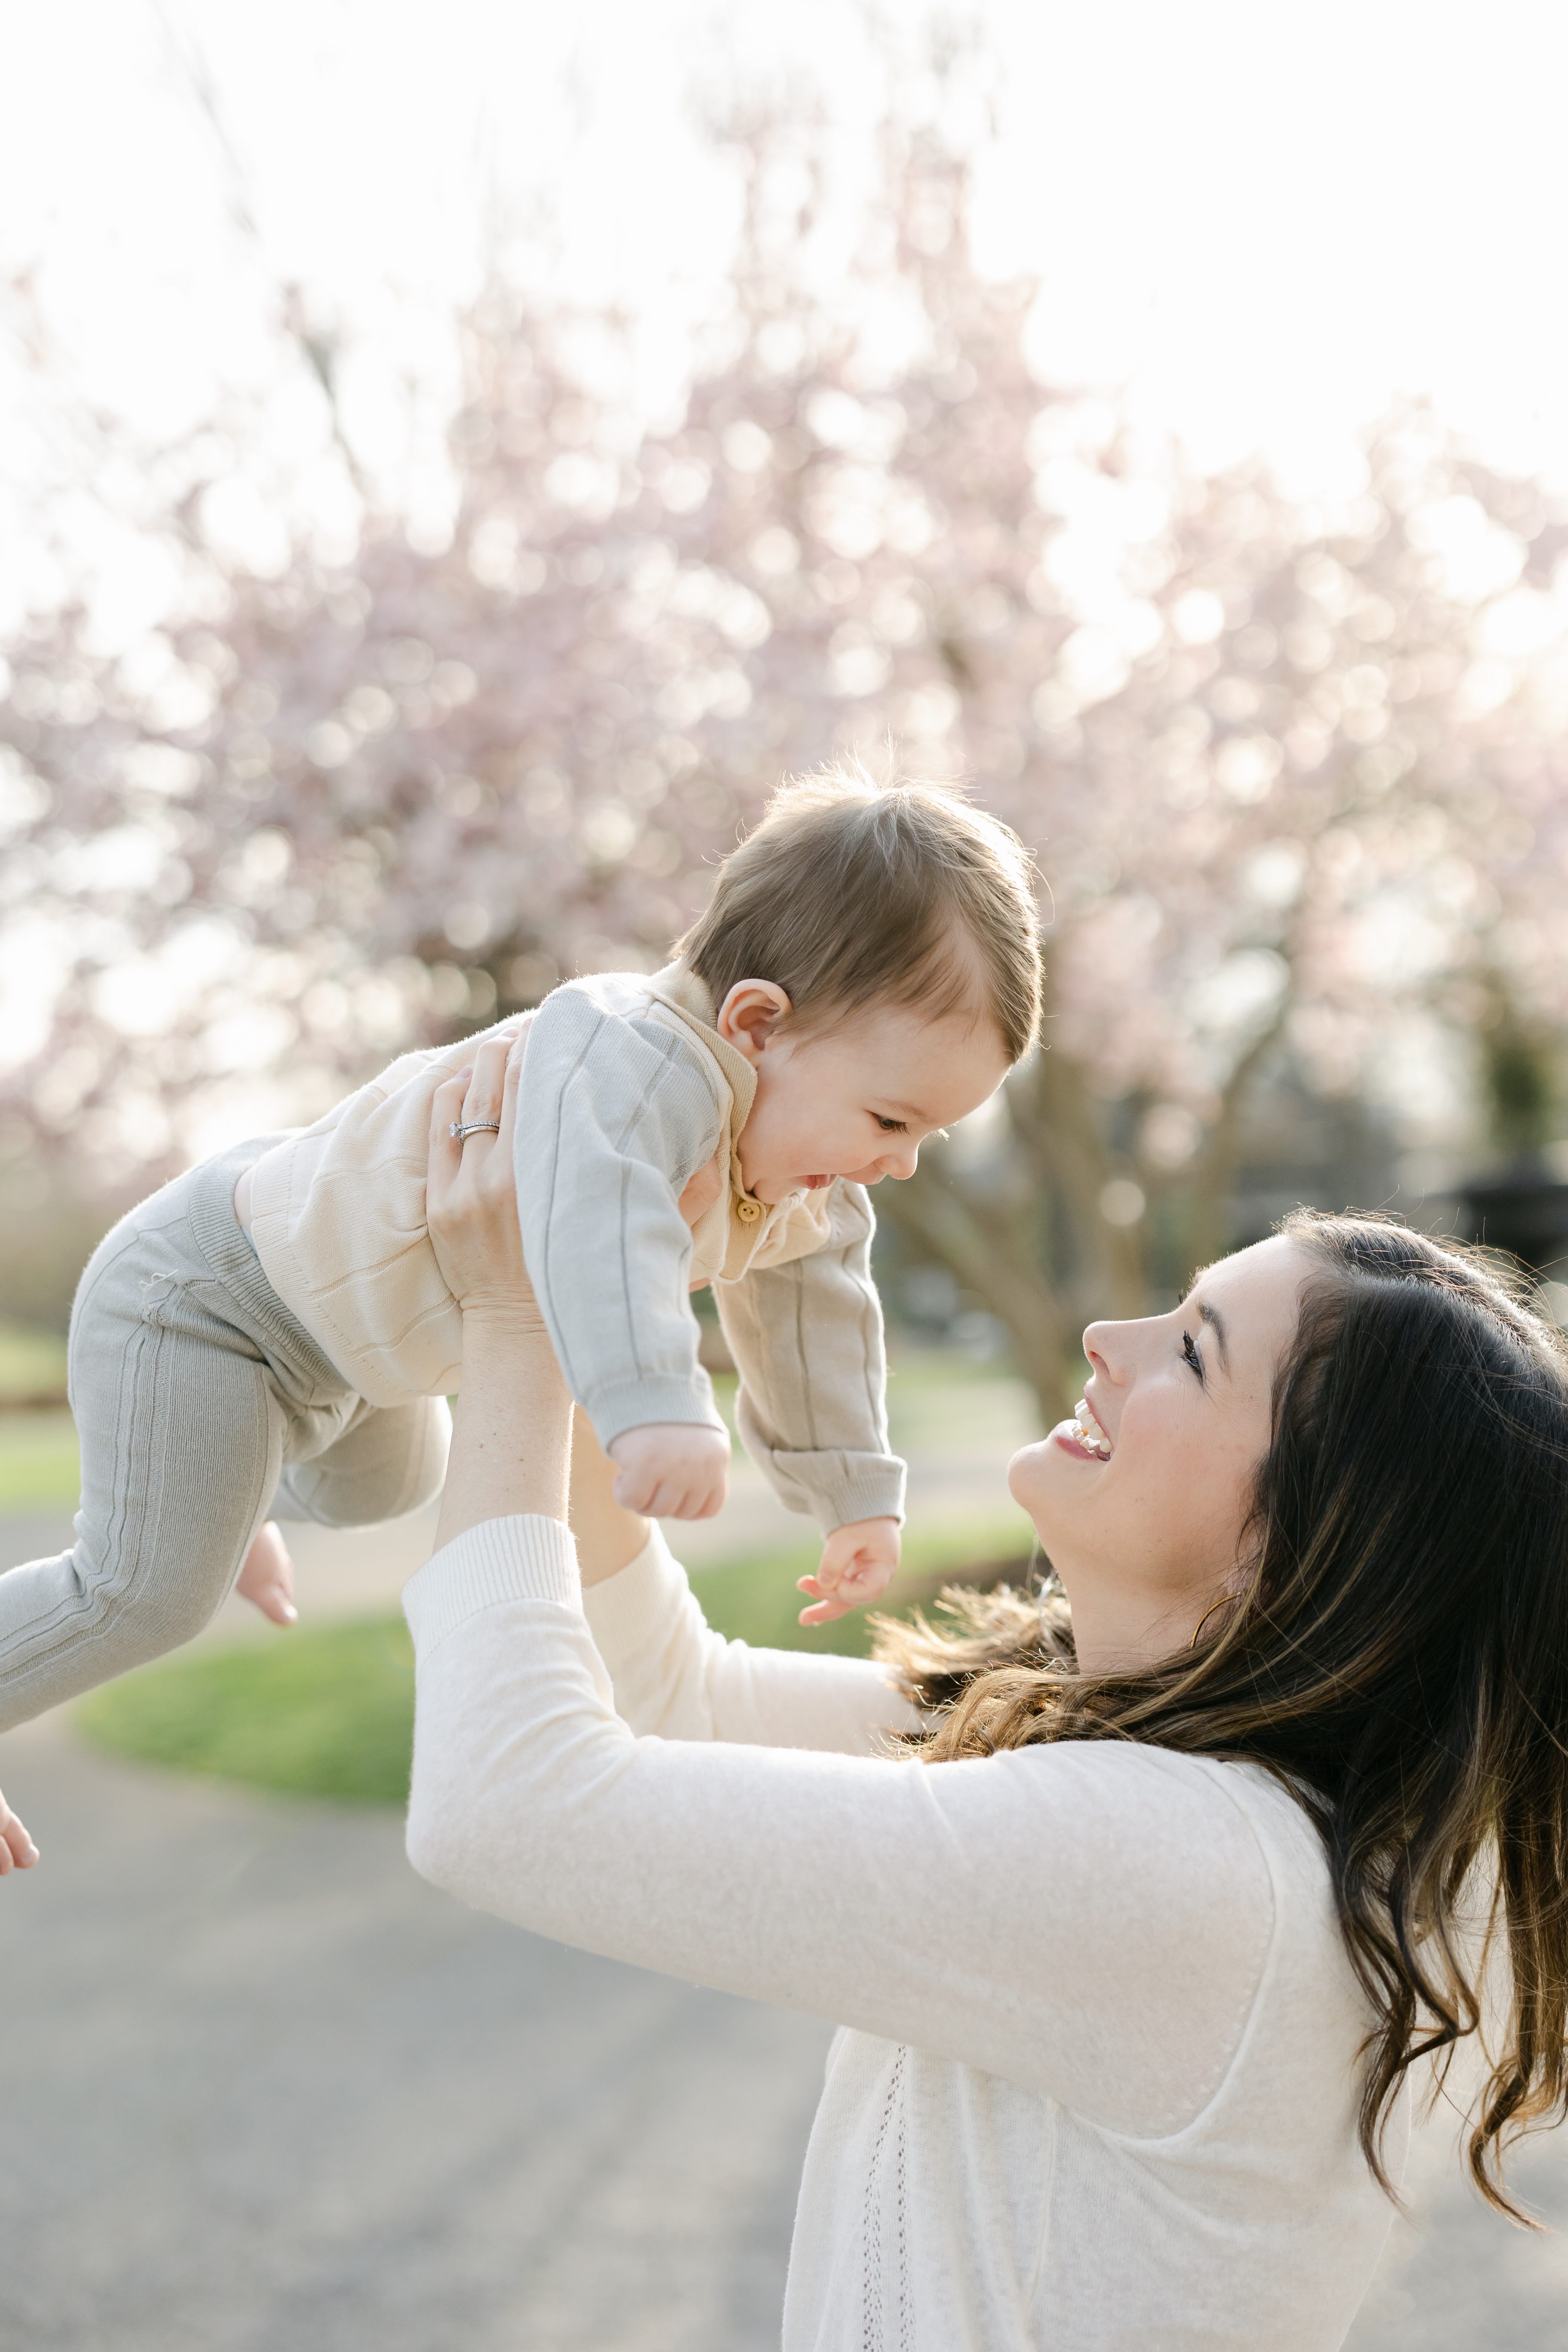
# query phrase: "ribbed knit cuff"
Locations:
[[630, 1611], [874, 1492], [521, 1558]]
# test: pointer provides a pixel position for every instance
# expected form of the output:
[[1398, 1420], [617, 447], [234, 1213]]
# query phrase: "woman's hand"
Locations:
[[512, 1437], [470, 1200], [510, 1442]]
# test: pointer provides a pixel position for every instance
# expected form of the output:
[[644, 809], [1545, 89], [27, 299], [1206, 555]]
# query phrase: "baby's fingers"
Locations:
[[862, 1580], [635, 1490], [823, 1612], [676, 1497], [706, 1501]]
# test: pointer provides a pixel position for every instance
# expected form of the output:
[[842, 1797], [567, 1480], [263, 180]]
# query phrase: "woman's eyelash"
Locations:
[[1190, 1354], [889, 1126]]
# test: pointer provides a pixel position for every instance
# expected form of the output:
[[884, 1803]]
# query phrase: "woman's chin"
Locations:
[[1048, 1480], [1029, 1477]]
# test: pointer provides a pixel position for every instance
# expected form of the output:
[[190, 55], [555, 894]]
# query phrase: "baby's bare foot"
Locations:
[[17, 1851], [267, 1579]]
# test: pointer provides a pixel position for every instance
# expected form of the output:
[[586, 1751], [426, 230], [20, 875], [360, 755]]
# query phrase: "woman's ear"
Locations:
[[750, 1014]]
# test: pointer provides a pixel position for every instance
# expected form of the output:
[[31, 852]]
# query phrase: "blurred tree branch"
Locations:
[[315, 346], [1293, 770]]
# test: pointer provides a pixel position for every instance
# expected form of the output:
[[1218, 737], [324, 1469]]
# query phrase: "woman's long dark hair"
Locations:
[[1397, 1652]]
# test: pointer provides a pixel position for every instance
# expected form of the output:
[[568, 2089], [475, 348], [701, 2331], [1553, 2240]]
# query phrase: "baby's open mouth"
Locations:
[[1085, 1426]]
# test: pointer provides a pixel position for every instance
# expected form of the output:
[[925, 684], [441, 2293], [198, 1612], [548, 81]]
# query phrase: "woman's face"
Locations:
[[1143, 1524]]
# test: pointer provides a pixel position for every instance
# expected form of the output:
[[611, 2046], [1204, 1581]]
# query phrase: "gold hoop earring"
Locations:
[[1223, 1600]]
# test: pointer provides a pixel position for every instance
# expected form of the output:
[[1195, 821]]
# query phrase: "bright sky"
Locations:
[[1263, 219]]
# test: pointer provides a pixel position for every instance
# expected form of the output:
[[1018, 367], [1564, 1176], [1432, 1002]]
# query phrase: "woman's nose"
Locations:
[[1103, 1345]]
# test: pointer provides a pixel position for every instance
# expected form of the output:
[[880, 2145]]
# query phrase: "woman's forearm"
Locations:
[[674, 1677], [1089, 1920], [512, 1437]]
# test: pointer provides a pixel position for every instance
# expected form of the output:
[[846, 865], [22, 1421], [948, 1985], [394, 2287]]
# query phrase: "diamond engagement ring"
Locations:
[[461, 1132]]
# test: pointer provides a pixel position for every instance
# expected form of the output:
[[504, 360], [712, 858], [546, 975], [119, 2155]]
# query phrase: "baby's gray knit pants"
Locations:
[[203, 1409]]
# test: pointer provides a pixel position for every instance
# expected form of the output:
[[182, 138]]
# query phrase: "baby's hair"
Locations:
[[850, 893]]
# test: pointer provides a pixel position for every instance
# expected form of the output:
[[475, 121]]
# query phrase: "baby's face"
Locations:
[[856, 1099]]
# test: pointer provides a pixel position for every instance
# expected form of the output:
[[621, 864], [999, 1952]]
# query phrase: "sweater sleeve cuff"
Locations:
[[519, 1558], [873, 1491], [629, 1612]]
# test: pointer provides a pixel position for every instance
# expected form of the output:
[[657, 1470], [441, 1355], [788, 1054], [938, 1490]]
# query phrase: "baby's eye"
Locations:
[[889, 1126], [1190, 1354]]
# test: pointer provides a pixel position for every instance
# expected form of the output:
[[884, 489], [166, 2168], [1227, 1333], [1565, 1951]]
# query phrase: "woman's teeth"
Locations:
[[1088, 1431]]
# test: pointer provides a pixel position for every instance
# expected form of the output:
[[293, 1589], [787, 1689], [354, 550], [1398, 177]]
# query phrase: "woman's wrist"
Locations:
[[515, 1320], [511, 1436]]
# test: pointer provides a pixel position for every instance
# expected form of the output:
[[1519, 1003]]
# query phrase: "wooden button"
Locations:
[[748, 1212]]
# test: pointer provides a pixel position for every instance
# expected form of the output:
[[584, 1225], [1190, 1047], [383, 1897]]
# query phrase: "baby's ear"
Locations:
[[749, 1014]]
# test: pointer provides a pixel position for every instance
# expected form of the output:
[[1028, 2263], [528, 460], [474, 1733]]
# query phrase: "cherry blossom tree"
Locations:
[[1290, 768]]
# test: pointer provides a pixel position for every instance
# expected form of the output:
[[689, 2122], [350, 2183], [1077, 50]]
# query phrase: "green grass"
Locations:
[[32, 1364], [39, 1469], [329, 1712], [755, 1600], [323, 1713], [39, 1464]]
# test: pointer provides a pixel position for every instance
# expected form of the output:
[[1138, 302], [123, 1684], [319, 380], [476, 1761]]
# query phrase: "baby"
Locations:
[[271, 1333]]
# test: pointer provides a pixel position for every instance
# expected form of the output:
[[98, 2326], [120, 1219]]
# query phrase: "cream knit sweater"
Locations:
[[626, 1089], [1097, 2085]]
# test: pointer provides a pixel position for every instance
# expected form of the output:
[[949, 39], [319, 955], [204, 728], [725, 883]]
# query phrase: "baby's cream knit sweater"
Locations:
[[626, 1089]]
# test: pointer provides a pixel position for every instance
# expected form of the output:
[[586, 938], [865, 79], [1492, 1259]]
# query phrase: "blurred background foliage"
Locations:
[[1290, 768]]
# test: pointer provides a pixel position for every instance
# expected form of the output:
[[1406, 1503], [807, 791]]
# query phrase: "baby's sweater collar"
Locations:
[[756, 1233], [678, 987]]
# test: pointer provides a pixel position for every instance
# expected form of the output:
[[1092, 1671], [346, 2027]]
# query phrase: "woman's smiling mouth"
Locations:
[[1083, 1435]]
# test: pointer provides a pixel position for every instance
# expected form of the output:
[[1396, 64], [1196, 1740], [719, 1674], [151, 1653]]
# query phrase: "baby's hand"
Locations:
[[856, 1568], [267, 1579], [670, 1469]]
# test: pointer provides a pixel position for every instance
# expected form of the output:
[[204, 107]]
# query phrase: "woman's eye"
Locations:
[[1190, 1354], [889, 1126]]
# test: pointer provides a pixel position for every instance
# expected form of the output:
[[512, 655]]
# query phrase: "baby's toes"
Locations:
[[275, 1600]]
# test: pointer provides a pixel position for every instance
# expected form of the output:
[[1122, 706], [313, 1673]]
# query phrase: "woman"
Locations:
[[1137, 1947]]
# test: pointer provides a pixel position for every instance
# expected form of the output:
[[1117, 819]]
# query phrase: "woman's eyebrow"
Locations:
[[1216, 1323]]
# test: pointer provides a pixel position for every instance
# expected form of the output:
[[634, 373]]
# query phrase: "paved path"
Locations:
[[266, 2092], [1455, 2277]]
